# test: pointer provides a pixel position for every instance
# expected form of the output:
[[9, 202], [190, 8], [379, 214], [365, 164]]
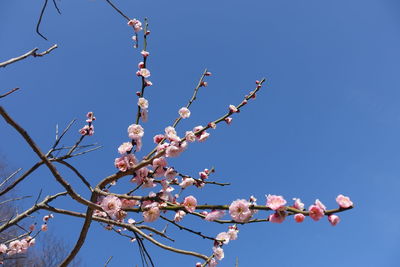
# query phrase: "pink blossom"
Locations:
[[170, 173], [135, 131], [32, 241], [87, 130], [212, 263], [44, 227], [143, 103], [131, 160], [203, 175], [171, 134], [148, 183], [121, 164], [228, 120], [157, 138], [145, 53], [218, 253], [131, 221], [215, 215], [232, 109], [90, 117], [344, 202], [125, 147], [112, 205], [190, 137], [316, 212], [141, 174], [203, 137], [151, 212], [299, 217], [136, 24], [333, 219], [144, 72], [276, 202], [223, 237], [144, 114], [319, 204], [3, 248], [240, 210], [212, 125], [161, 162], [14, 247], [184, 113], [233, 232], [172, 151], [190, 203], [277, 217], [186, 182], [179, 215], [128, 203], [298, 204]]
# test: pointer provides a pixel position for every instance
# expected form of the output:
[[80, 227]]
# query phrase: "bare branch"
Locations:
[[30, 211], [27, 54], [46, 161]]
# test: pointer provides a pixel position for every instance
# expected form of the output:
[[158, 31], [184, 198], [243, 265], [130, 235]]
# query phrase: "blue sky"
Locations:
[[327, 121]]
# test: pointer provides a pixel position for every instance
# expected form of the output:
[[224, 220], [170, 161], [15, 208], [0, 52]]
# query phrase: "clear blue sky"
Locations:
[[327, 122]]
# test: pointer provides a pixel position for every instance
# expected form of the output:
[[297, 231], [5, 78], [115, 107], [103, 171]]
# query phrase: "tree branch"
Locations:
[[27, 54]]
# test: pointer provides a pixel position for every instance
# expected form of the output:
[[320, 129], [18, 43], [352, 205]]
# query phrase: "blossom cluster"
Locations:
[[17, 246], [88, 129]]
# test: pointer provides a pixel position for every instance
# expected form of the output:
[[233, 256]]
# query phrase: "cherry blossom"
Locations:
[[240, 211], [344, 202]]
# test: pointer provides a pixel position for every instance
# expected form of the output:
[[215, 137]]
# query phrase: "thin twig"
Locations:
[[109, 259], [13, 199], [9, 92], [118, 10], [55, 5], [187, 229], [40, 20], [10, 176], [83, 179], [58, 139]]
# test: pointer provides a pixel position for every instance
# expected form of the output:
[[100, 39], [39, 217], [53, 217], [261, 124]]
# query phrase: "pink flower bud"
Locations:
[[207, 73], [299, 217], [141, 65], [145, 53], [233, 109], [333, 219], [203, 83], [228, 120]]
